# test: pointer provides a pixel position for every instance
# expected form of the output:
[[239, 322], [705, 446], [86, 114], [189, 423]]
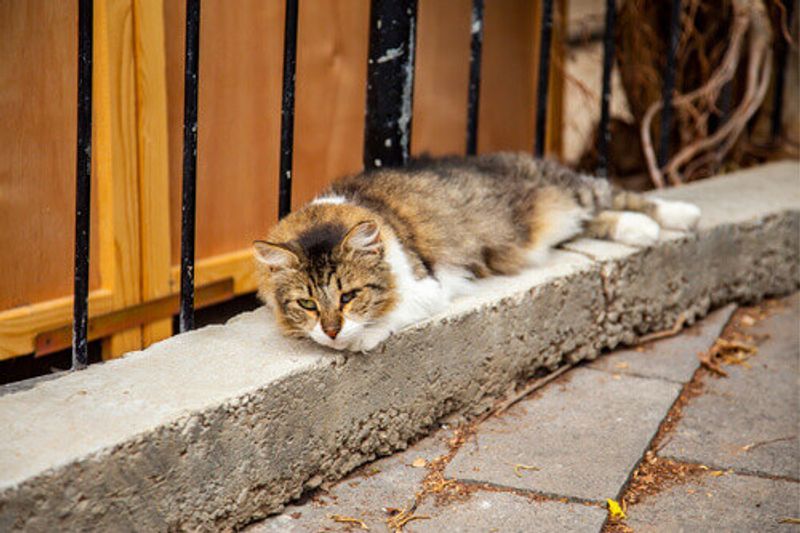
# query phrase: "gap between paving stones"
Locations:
[[214, 428]]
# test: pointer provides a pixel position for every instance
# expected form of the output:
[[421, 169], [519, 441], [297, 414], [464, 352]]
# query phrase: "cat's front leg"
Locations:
[[370, 338]]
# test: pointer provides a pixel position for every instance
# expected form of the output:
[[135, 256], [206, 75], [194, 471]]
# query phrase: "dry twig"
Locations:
[[671, 332], [349, 520], [539, 383], [518, 468]]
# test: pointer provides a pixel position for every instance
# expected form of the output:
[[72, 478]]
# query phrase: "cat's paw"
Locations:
[[635, 229], [675, 215], [369, 340]]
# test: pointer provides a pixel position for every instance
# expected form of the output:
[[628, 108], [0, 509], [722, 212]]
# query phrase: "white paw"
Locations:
[[369, 339], [680, 216], [635, 229]]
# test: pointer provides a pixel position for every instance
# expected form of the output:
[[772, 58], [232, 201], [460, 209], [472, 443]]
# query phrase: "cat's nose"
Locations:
[[331, 331]]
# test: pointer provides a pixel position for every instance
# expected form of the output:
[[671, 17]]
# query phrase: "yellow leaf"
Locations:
[[419, 462], [614, 510]]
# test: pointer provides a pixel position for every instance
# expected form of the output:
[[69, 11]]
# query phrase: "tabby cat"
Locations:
[[390, 247]]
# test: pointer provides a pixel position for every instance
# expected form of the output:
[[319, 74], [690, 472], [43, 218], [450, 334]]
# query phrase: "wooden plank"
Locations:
[[507, 80], [442, 77], [19, 326], [115, 158], [137, 315], [153, 158], [332, 43], [38, 82]]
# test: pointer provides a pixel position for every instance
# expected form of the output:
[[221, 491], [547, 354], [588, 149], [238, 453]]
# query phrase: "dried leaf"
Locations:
[[419, 462], [789, 520], [614, 510]]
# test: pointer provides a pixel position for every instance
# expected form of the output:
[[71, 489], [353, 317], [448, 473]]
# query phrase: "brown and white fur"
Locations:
[[387, 248]]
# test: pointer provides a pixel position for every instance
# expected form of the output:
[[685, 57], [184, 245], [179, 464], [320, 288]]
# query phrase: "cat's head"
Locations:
[[327, 281]]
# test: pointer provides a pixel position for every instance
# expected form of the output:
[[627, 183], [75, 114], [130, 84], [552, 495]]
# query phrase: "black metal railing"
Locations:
[[390, 84], [189, 192], [543, 78], [83, 179], [287, 109], [474, 90]]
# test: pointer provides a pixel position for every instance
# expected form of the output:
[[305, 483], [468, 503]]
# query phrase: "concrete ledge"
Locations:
[[223, 425]]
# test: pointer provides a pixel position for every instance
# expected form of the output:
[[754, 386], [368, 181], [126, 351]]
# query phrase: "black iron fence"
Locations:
[[390, 82]]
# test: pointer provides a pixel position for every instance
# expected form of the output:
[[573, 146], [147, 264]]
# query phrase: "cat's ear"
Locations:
[[364, 237], [275, 256]]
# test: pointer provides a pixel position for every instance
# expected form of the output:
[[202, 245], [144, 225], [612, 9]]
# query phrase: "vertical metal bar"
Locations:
[[780, 71], [287, 108], [390, 82], [190, 80], [83, 179], [544, 77], [604, 133], [473, 97], [669, 82]]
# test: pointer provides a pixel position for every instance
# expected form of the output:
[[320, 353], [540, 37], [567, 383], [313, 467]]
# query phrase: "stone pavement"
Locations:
[[680, 448]]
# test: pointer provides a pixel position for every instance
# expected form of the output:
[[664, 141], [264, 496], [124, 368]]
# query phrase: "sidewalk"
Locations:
[[678, 445]]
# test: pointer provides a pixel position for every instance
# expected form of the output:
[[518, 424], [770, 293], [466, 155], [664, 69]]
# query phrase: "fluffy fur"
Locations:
[[387, 248]]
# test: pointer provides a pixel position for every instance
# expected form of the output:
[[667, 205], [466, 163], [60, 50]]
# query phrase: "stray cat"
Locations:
[[390, 247]]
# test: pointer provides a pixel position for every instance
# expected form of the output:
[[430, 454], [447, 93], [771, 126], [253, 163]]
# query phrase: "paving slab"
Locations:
[[393, 482], [726, 503], [504, 512], [673, 358], [749, 420], [584, 433]]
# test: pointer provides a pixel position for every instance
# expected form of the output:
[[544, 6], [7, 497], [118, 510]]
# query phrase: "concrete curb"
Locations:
[[218, 427]]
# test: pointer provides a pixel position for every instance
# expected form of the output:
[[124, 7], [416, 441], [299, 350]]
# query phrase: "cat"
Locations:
[[390, 247]]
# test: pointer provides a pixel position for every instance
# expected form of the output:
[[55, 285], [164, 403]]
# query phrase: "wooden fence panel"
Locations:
[[139, 48]]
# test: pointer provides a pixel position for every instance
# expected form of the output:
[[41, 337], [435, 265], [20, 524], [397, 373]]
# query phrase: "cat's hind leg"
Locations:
[[556, 217], [626, 227], [676, 215], [670, 214]]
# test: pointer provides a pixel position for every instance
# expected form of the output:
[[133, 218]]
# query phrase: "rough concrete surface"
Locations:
[[214, 428], [568, 435], [725, 503], [749, 421]]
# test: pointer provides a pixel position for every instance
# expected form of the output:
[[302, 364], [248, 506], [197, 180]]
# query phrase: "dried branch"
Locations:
[[750, 16]]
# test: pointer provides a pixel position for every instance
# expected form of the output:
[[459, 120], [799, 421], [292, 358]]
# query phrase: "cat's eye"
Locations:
[[309, 305], [347, 297]]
